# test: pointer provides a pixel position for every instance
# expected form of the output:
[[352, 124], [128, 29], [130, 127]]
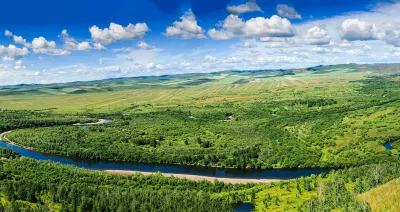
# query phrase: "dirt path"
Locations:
[[196, 177]]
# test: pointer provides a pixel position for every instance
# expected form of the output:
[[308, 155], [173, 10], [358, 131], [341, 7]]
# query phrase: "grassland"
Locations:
[[118, 94], [383, 198], [326, 116]]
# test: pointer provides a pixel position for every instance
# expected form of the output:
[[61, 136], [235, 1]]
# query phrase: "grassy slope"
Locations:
[[384, 198], [113, 95]]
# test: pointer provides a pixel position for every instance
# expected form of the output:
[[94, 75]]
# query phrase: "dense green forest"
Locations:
[[30, 185], [46, 185], [312, 132], [313, 126], [16, 119]]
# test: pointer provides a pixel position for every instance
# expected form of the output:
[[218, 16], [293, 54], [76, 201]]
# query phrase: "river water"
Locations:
[[172, 169], [388, 146]]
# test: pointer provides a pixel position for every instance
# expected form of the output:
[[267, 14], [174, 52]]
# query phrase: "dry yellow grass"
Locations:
[[384, 198]]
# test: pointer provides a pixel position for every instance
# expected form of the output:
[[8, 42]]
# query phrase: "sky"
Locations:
[[44, 41]]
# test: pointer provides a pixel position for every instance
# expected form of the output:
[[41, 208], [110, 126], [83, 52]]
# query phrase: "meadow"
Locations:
[[327, 116]]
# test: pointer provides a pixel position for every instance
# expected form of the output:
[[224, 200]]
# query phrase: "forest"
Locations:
[[344, 126], [312, 132], [30, 185], [16, 119]]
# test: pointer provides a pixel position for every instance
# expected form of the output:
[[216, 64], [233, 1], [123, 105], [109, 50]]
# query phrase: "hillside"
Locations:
[[383, 198]]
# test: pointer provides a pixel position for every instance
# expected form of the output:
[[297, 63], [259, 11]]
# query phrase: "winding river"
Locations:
[[217, 172]]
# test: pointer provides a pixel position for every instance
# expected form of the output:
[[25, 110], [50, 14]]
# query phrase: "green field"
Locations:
[[326, 116]]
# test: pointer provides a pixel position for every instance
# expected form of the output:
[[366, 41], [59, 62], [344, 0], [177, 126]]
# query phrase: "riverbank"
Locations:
[[101, 121], [196, 177]]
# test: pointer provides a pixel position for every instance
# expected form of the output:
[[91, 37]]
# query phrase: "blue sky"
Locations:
[[46, 42]]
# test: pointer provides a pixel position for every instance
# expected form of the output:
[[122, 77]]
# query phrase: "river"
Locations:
[[219, 172], [282, 174]]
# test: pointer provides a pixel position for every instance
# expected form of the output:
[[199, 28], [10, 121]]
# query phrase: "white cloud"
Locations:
[[277, 42], [43, 46], [53, 52], [13, 52], [99, 46], [187, 28], [233, 26], [354, 29], [287, 12], [117, 32], [317, 36], [6, 58], [83, 46], [71, 44], [143, 45], [320, 50], [108, 69], [246, 44], [22, 41], [391, 33], [42, 43], [250, 6], [8, 33], [19, 66]]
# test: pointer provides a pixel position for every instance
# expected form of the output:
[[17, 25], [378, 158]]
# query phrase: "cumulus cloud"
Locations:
[[13, 52], [354, 29], [83, 46], [246, 45], [287, 12], [42, 43], [317, 36], [70, 43], [250, 6], [391, 33], [43, 46], [233, 26], [187, 28], [22, 41], [143, 45], [8, 33], [117, 32]]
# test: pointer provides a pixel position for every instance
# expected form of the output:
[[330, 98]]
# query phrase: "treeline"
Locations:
[[313, 102], [49, 184], [18, 119]]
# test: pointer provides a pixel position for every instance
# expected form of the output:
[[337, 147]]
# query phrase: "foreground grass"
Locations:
[[384, 198]]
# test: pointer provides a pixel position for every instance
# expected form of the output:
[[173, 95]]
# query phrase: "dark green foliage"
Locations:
[[81, 190], [8, 153], [12, 119], [314, 102]]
